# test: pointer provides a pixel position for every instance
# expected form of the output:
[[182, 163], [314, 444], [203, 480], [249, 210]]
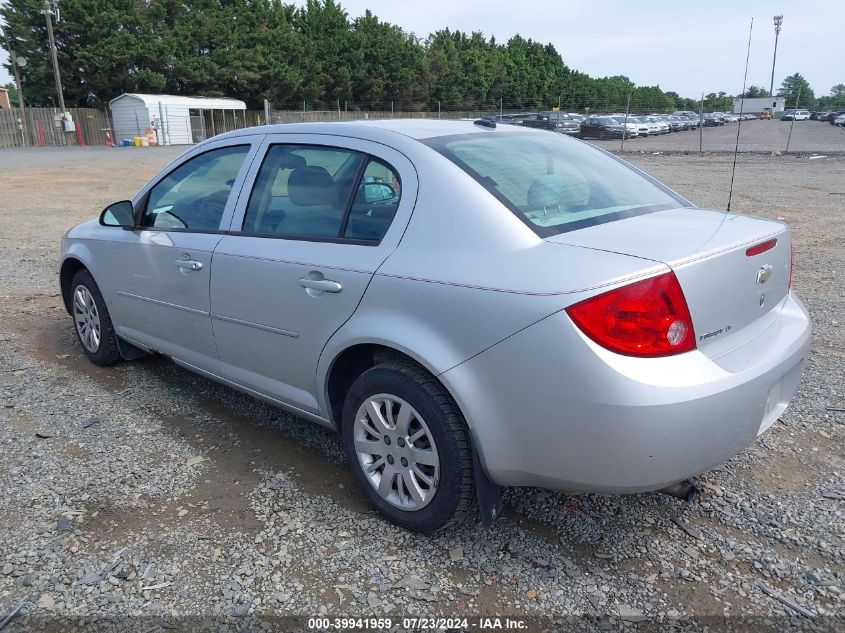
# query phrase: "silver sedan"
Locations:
[[469, 306]]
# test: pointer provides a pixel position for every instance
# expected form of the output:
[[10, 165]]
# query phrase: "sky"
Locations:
[[685, 47]]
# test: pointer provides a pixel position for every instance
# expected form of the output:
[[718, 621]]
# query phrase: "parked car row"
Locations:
[[613, 125], [833, 117], [792, 114], [554, 121]]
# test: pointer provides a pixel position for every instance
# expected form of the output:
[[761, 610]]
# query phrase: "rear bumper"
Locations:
[[548, 407]]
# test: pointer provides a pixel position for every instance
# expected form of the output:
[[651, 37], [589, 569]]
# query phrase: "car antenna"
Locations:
[[741, 109]]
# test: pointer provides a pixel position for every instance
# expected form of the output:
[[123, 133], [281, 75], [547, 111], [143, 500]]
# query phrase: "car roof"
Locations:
[[379, 129]]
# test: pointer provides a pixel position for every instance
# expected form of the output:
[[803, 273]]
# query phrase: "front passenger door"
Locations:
[[161, 269]]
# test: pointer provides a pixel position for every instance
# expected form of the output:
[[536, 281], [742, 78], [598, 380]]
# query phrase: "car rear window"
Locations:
[[553, 183]]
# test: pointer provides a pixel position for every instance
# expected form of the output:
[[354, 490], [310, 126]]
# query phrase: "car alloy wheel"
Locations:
[[87, 319], [409, 447], [91, 320], [396, 451]]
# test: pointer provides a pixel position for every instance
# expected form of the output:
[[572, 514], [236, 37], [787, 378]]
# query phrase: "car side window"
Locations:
[[302, 191], [324, 193], [194, 195], [375, 202]]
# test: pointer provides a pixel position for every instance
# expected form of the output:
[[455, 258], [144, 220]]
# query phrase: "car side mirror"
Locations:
[[378, 192], [120, 214]]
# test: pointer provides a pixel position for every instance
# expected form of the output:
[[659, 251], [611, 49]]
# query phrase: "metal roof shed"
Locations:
[[176, 120]]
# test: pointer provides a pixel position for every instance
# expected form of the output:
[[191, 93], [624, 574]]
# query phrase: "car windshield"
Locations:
[[552, 183]]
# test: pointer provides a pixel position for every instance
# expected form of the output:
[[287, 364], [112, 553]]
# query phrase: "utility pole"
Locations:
[[792, 123], [778, 23], [16, 61], [51, 7]]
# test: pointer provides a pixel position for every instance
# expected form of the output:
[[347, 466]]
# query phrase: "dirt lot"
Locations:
[[754, 136], [146, 492]]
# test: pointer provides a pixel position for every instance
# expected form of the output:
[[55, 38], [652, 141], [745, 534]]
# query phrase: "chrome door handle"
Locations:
[[188, 264], [323, 285]]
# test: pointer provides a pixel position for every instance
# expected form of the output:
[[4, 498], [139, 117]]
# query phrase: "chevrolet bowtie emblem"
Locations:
[[764, 273]]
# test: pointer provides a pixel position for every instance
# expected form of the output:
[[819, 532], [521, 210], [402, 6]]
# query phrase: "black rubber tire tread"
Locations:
[[441, 512], [109, 352]]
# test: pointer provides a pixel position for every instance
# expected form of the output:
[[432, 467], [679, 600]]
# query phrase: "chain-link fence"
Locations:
[[646, 126], [649, 127]]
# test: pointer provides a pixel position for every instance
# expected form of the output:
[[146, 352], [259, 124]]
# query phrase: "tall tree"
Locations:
[[720, 102], [333, 61], [834, 101], [27, 31], [790, 87], [393, 64], [755, 91]]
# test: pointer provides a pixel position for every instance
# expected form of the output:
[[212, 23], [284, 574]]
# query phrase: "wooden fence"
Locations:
[[39, 126]]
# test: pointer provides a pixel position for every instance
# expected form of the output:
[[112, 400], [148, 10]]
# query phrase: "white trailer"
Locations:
[[175, 120], [755, 105]]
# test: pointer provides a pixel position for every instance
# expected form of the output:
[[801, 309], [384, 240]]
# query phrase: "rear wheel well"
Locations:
[[69, 269], [351, 363]]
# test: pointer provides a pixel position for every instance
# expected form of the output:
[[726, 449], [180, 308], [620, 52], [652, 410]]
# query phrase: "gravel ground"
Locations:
[[143, 495]]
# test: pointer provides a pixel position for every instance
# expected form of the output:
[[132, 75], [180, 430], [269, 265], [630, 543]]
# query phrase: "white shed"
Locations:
[[175, 120]]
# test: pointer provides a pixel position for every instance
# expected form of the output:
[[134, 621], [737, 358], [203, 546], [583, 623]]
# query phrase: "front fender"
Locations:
[[81, 248]]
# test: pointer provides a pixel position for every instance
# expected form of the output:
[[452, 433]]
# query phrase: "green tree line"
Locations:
[[316, 54], [796, 91], [265, 49]]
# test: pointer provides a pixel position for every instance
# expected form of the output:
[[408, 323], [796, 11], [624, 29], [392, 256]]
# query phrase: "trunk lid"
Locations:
[[726, 288]]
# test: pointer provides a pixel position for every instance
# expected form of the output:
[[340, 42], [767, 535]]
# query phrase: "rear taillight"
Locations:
[[647, 318]]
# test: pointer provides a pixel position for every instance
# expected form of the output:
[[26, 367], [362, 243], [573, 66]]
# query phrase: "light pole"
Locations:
[[51, 7], [778, 23]]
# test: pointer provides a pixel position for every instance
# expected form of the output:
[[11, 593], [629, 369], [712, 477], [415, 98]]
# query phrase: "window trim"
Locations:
[[143, 203], [350, 199], [339, 239]]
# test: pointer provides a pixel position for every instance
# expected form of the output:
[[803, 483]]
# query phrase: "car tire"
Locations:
[[91, 321], [603, 135], [382, 401]]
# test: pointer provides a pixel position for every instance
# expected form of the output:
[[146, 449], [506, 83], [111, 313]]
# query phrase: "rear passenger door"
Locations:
[[317, 217]]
